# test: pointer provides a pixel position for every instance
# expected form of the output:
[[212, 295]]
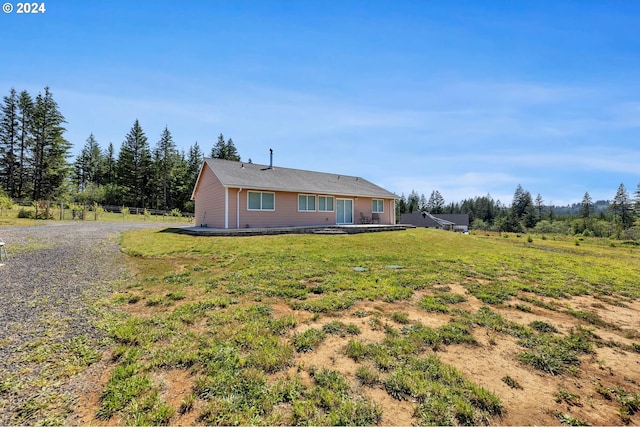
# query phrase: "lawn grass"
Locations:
[[238, 313]]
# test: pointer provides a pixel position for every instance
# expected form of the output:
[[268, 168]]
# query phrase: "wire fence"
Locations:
[[82, 212]]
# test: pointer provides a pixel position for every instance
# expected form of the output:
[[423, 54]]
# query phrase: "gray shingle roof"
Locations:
[[260, 177], [420, 220]]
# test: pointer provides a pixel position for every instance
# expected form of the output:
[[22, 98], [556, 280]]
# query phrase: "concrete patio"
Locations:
[[317, 229]]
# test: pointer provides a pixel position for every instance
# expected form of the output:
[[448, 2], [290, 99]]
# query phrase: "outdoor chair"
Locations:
[[375, 218], [364, 219], [3, 248]]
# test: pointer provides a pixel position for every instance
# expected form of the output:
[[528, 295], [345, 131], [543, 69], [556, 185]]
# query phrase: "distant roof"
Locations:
[[260, 177], [428, 220]]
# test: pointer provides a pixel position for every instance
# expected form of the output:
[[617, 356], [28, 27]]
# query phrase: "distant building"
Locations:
[[454, 222]]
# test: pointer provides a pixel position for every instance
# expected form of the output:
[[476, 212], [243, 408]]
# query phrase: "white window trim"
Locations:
[[315, 198], [261, 209], [327, 197], [379, 202]]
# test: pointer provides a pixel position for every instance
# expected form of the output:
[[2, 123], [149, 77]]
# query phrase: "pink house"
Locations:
[[230, 194]]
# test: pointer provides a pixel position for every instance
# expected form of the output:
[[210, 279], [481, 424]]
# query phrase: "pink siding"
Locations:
[[286, 212], [364, 205], [209, 200]]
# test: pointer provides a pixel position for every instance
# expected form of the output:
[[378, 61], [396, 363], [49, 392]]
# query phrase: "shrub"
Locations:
[[367, 376], [339, 328], [308, 340], [541, 326], [401, 318], [155, 300], [24, 213], [433, 304], [177, 295]]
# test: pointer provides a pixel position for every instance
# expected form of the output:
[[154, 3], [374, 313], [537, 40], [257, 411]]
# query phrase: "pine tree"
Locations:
[[621, 207], [165, 162], [636, 199], [50, 148], [413, 202], [25, 154], [218, 150], [109, 166], [89, 164], [182, 186], [9, 143], [225, 150], [435, 205], [231, 153], [586, 206], [134, 167], [423, 202], [539, 206], [194, 160]]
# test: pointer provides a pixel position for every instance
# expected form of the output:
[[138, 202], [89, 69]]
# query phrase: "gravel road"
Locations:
[[53, 271]]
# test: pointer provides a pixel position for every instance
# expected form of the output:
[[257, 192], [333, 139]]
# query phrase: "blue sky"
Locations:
[[463, 97]]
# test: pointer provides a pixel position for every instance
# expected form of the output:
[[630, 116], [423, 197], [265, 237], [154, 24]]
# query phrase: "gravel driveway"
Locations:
[[53, 271]]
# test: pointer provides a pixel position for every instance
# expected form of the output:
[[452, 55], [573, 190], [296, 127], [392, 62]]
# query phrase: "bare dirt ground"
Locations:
[[535, 403]]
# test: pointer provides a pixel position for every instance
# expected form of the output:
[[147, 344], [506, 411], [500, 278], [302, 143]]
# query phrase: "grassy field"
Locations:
[[397, 328], [418, 326]]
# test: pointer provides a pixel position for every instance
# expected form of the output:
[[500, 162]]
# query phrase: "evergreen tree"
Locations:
[[182, 187], [134, 167], [522, 214], [539, 207], [423, 202], [621, 207], [225, 150], [109, 166], [192, 168], [89, 164], [50, 148], [586, 206], [165, 162], [435, 205], [194, 160], [25, 155], [219, 149], [636, 204], [9, 143], [231, 153], [413, 202]]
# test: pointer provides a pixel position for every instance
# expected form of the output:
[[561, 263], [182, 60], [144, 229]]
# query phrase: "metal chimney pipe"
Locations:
[[270, 158]]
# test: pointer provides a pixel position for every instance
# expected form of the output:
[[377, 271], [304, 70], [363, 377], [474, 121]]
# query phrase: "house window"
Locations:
[[377, 206], [325, 203], [260, 201], [306, 202]]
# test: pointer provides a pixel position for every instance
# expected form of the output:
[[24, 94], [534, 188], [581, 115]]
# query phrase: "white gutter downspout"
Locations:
[[393, 209], [226, 207], [238, 208]]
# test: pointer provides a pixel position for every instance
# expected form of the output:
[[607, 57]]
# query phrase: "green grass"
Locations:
[[213, 306]]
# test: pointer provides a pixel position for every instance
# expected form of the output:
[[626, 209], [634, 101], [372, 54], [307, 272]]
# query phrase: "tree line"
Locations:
[[35, 166], [619, 218], [34, 161]]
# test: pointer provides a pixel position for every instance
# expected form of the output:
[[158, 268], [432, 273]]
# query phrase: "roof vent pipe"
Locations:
[[270, 158]]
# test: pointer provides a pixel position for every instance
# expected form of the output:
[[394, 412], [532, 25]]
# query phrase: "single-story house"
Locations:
[[455, 222], [231, 194]]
